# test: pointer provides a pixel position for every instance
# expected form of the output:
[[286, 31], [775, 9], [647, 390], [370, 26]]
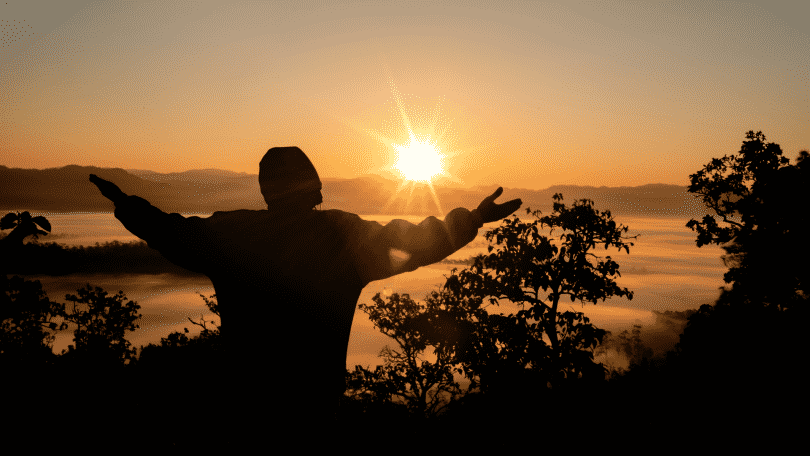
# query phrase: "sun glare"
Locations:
[[419, 160]]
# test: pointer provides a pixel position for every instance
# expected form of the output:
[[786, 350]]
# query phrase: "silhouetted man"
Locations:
[[288, 278]]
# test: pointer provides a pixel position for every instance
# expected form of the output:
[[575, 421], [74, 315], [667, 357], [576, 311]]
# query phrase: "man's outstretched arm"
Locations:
[[401, 246], [181, 240]]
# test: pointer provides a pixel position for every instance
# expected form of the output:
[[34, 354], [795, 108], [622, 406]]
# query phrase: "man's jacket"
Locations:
[[287, 283]]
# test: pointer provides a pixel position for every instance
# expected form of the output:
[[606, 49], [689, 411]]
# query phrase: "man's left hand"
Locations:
[[492, 212]]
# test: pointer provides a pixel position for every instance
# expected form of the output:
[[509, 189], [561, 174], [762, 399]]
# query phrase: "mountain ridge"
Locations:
[[67, 189]]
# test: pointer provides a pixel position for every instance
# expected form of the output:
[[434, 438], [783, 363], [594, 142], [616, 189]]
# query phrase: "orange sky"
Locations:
[[530, 94]]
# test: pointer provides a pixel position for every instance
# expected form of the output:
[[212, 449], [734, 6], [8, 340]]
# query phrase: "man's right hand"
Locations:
[[491, 212], [108, 189]]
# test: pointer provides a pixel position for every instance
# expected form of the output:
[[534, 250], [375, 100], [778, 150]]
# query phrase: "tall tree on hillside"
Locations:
[[762, 201], [752, 337], [531, 270]]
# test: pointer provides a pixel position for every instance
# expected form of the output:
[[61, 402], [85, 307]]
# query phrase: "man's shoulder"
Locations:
[[338, 217], [259, 216], [338, 214], [245, 217], [236, 213], [240, 216]]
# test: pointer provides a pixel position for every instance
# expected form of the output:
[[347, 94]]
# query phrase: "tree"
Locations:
[[531, 271], [27, 324], [406, 373], [213, 306], [23, 226], [180, 353], [99, 338], [26, 314], [762, 201], [751, 339], [629, 345], [370, 397], [491, 350]]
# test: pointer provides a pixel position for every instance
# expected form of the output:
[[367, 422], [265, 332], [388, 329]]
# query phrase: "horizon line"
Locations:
[[475, 186]]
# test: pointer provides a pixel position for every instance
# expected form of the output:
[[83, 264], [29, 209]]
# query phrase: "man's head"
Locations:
[[288, 178]]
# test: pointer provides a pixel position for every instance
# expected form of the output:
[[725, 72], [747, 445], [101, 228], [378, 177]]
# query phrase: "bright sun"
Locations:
[[419, 160]]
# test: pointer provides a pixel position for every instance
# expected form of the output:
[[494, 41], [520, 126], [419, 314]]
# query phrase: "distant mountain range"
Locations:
[[68, 189]]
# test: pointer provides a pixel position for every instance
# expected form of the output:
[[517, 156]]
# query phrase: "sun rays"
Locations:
[[421, 151]]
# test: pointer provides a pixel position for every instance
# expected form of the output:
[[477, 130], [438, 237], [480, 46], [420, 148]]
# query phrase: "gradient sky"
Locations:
[[529, 94]]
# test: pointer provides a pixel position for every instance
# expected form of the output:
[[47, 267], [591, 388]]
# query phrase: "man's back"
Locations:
[[287, 285]]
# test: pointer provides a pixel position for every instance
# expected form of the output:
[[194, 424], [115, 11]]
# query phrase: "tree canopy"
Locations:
[[762, 204]]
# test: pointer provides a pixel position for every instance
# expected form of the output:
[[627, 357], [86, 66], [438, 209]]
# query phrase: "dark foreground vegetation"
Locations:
[[738, 362]]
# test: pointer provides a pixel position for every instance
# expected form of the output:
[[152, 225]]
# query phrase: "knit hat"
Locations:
[[285, 171]]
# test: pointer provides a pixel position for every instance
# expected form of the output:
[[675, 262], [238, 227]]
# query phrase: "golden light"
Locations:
[[420, 160]]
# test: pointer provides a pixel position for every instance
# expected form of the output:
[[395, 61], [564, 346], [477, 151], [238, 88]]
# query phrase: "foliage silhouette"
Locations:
[[406, 373], [179, 353], [743, 353], [99, 338], [749, 343], [763, 201], [556, 346], [23, 225], [28, 320], [509, 359], [90, 375], [370, 398], [213, 306], [629, 346]]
